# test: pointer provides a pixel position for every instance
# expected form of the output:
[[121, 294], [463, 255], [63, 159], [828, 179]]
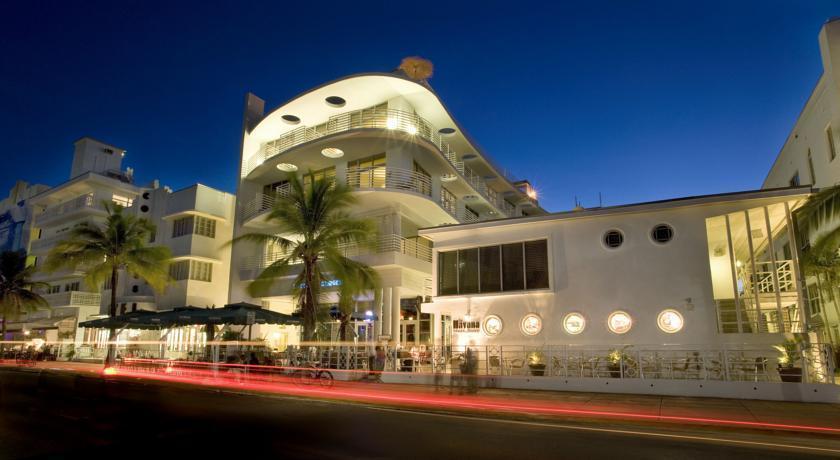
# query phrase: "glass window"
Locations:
[[367, 172], [490, 269], [327, 174], [422, 180], [814, 299], [832, 149], [619, 322], [513, 273], [179, 270], [205, 227], [794, 180], [613, 239], [493, 325], [182, 226], [201, 271], [670, 321], [662, 233], [447, 273], [536, 264], [574, 323], [121, 200], [531, 324], [447, 200], [468, 271]]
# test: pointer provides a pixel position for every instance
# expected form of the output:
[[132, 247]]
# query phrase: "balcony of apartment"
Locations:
[[374, 179], [76, 206], [415, 252], [43, 245], [73, 299], [393, 120]]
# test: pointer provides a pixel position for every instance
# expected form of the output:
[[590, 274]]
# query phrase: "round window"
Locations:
[[531, 324], [619, 322], [144, 208], [662, 233], [670, 321], [290, 119], [613, 239], [574, 323], [335, 101], [145, 195], [493, 325]]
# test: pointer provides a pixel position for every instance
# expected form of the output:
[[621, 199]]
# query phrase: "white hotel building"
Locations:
[[195, 223], [410, 165]]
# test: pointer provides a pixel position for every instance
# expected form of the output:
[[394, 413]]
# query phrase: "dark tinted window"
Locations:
[[490, 269], [613, 239], [468, 271], [536, 264], [513, 277], [448, 273]]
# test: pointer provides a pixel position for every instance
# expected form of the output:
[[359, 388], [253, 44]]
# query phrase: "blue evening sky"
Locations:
[[637, 100]]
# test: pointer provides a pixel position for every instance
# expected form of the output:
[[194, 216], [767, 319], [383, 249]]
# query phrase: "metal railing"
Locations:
[[417, 247], [763, 276], [84, 201], [375, 118]]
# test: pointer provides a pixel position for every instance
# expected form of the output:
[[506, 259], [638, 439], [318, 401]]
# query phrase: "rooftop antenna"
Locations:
[[600, 200]]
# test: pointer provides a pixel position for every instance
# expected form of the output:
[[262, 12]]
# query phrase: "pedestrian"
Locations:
[[253, 360]]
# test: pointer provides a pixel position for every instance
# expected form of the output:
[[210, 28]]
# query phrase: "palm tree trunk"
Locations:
[[308, 307], [3, 338], [112, 312]]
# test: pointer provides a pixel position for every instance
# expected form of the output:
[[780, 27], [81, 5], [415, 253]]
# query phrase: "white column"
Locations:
[[395, 315], [386, 311], [379, 315]]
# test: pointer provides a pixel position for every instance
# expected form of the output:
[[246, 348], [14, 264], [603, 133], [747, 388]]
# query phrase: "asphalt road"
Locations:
[[55, 415]]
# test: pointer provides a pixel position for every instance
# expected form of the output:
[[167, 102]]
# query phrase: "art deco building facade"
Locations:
[[410, 165]]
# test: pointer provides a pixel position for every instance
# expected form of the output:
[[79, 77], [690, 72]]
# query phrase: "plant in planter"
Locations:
[[789, 357], [614, 361], [536, 362]]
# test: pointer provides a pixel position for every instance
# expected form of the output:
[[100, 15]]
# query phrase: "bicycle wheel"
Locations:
[[325, 378]]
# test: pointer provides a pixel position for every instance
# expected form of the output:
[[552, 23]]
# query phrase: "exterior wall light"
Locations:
[[287, 167], [392, 123], [412, 130], [531, 324], [448, 178], [670, 321], [619, 322], [574, 323], [492, 325], [332, 152]]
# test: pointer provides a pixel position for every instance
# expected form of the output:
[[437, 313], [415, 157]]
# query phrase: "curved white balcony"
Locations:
[[373, 118], [84, 202]]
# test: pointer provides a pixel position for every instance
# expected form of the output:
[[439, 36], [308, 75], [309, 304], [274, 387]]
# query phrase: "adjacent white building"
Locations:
[[195, 223], [809, 156], [410, 164]]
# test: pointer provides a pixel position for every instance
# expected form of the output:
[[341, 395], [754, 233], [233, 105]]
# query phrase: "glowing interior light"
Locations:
[[531, 324], [412, 130], [619, 322], [287, 167], [369, 313], [392, 123], [574, 323], [670, 321], [332, 152], [109, 371], [168, 369], [532, 194]]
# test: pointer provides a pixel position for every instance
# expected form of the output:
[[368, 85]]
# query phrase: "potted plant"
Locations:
[[536, 362], [789, 356], [614, 363]]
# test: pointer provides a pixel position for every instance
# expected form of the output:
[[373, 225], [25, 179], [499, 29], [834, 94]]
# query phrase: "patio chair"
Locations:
[[515, 364], [494, 364]]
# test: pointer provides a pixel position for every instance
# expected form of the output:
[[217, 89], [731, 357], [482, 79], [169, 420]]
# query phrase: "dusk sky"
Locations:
[[636, 100]]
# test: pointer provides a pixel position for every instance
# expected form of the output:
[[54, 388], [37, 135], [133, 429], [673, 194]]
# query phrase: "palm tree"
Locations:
[[313, 228], [102, 251], [358, 279], [17, 293]]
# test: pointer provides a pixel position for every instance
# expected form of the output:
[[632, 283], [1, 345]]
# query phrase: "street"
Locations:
[[67, 415]]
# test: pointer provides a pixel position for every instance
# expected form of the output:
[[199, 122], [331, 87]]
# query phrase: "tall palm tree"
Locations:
[[358, 279], [103, 251], [17, 293], [313, 228]]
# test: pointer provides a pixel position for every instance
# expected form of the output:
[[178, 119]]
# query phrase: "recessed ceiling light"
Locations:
[[448, 177], [332, 152], [287, 167], [412, 130], [290, 119], [469, 156], [490, 177], [335, 101], [446, 131], [470, 197]]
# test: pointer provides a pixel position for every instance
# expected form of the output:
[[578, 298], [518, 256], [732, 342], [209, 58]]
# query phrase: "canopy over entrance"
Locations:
[[240, 314]]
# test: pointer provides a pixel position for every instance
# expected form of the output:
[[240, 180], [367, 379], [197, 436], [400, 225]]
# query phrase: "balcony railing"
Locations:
[[373, 117], [84, 201], [43, 243], [73, 298], [416, 247]]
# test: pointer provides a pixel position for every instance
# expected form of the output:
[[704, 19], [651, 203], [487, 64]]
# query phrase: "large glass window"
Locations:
[[509, 267], [513, 272], [490, 269], [367, 173], [468, 271], [327, 174], [194, 224]]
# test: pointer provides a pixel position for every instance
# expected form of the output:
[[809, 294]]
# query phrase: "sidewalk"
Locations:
[[787, 416]]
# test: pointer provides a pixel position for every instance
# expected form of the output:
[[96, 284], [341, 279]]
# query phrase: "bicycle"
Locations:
[[312, 375]]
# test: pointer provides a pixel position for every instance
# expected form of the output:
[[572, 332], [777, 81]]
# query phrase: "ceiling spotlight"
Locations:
[[332, 152], [448, 178], [287, 167]]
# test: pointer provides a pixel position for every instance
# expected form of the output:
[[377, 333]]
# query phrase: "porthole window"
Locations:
[[670, 321], [144, 208], [662, 233], [447, 131], [145, 195], [574, 323], [492, 325], [619, 322], [613, 239], [290, 119], [335, 101], [531, 324]]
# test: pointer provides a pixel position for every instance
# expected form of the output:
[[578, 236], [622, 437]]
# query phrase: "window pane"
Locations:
[[468, 271], [490, 271], [536, 264], [448, 273], [513, 278]]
